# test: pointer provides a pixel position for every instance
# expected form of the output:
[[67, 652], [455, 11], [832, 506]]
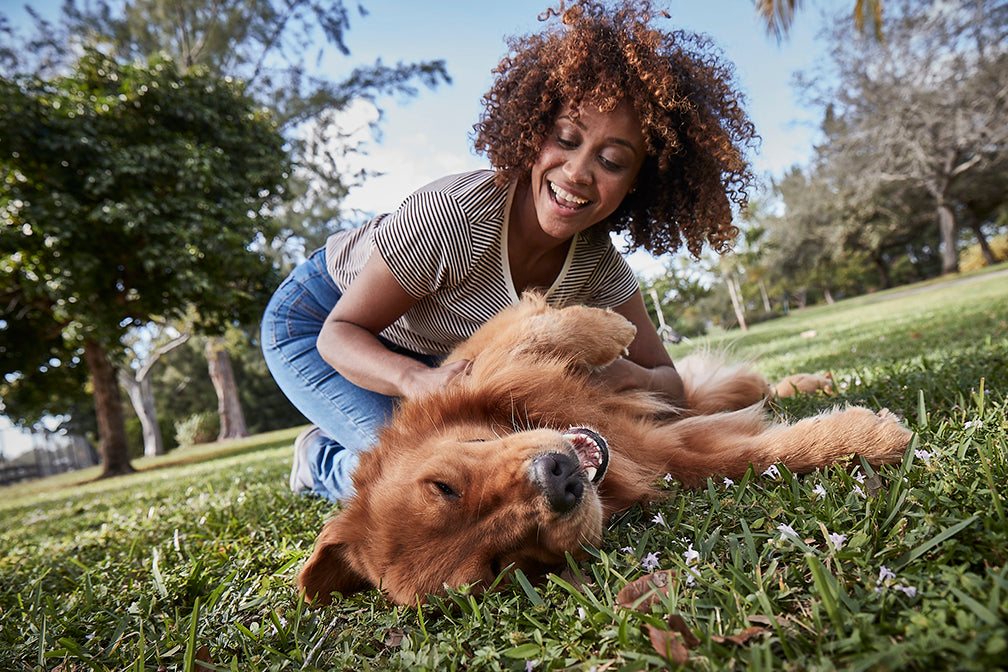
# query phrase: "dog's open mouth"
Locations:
[[592, 451]]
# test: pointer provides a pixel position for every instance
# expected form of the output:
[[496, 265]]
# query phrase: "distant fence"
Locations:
[[51, 453]]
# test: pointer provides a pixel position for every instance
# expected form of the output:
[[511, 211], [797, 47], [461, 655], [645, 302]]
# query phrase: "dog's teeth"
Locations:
[[590, 473]]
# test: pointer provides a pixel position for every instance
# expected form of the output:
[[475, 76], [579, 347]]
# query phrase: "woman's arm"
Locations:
[[349, 343], [647, 365]]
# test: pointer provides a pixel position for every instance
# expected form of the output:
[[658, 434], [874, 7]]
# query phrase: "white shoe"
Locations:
[[300, 477]]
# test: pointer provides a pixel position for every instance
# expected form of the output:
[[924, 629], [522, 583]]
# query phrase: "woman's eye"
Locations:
[[565, 143], [610, 165]]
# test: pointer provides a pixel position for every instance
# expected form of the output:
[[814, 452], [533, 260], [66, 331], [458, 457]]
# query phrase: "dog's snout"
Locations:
[[560, 478]]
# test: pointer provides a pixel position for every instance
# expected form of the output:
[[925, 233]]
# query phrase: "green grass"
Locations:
[[193, 557]]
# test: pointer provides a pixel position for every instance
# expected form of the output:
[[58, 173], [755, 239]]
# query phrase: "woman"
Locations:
[[599, 124]]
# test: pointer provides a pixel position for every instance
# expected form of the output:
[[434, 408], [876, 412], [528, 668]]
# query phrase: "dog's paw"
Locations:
[[607, 337], [881, 437], [594, 336], [804, 383]]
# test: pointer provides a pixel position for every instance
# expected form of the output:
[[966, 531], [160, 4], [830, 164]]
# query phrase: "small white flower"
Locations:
[[837, 540], [772, 471], [884, 575], [858, 476], [626, 549], [859, 491], [924, 455], [659, 519], [582, 614], [909, 591], [650, 562], [786, 530], [692, 558], [531, 664], [819, 490], [728, 482], [668, 478], [970, 424]]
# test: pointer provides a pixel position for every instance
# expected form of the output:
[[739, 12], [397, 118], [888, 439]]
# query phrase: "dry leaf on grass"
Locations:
[[645, 591], [394, 637], [741, 638], [202, 658], [668, 644]]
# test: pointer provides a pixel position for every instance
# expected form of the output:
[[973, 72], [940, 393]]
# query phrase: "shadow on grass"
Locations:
[[15, 494]]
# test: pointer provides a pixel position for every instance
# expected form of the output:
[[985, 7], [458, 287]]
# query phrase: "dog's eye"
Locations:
[[447, 491]]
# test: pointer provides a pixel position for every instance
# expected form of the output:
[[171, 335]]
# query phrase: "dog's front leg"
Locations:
[[594, 337]]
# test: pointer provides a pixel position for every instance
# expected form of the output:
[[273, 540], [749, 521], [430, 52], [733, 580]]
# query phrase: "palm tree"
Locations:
[[779, 14]]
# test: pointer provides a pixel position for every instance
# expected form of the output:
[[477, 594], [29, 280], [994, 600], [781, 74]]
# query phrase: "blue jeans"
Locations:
[[348, 415]]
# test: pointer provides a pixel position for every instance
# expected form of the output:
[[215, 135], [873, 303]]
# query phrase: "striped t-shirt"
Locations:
[[446, 246]]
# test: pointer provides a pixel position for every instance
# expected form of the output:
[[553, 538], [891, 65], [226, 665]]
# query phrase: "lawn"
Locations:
[[189, 563]]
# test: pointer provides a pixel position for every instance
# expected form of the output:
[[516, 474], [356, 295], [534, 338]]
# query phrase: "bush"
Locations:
[[197, 428], [971, 258]]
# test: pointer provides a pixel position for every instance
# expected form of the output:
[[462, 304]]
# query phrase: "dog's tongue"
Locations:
[[592, 450]]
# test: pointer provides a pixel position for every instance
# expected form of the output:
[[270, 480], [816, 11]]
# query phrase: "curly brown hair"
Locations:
[[695, 129]]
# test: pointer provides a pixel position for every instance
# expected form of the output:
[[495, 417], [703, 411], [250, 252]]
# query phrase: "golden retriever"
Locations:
[[526, 458]]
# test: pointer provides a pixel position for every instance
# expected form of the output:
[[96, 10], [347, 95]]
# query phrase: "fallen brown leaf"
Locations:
[[742, 637], [641, 593], [666, 642], [394, 637], [203, 661]]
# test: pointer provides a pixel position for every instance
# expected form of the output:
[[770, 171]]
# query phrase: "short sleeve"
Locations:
[[426, 242], [614, 282]]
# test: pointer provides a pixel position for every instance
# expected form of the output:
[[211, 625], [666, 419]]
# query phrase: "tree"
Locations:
[[140, 391], [127, 192], [269, 45], [778, 15], [265, 44], [927, 107]]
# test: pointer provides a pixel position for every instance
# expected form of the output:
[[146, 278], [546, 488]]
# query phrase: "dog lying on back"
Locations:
[[526, 458]]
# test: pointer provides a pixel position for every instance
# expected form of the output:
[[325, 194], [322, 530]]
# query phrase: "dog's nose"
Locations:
[[559, 476]]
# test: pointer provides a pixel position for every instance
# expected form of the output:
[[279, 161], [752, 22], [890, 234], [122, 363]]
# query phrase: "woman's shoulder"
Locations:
[[462, 183]]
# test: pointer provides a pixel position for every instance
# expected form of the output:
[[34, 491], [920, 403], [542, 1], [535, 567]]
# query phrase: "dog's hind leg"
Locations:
[[728, 443]]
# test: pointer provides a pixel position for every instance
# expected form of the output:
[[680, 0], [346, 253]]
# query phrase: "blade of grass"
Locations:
[[912, 555]]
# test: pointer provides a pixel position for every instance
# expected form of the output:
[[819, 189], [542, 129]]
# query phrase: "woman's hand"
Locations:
[[622, 375], [424, 380]]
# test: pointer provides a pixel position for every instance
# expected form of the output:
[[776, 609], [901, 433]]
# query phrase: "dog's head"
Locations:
[[459, 506]]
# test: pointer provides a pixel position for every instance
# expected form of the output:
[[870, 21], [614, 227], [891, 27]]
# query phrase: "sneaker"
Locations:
[[301, 477]]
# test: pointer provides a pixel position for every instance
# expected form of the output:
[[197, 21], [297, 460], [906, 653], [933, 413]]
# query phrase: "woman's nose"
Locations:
[[578, 168]]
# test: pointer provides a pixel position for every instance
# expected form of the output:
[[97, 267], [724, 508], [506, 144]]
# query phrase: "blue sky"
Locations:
[[428, 136]]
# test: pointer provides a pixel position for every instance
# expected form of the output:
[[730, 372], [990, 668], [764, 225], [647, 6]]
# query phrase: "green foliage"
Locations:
[[128, 192], [199, 549], [197, 428]]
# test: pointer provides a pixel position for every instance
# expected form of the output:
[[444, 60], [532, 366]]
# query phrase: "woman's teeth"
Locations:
[[564, 197]]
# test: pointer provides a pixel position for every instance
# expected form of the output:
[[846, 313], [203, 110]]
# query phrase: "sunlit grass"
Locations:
[[193, 557]]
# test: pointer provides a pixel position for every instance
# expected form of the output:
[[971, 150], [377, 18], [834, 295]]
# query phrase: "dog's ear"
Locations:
[[331, 569]]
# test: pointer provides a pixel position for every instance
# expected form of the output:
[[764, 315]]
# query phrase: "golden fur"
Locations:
[[456, 489]]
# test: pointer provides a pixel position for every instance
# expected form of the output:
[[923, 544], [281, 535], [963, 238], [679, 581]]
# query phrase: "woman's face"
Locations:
[[586, 168]]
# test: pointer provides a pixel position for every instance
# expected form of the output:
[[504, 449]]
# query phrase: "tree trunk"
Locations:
[[883, 270], [766, 296], [142, 398], [736, 302], [947, 227], [108, 411], [985, 248], [232, 420]]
